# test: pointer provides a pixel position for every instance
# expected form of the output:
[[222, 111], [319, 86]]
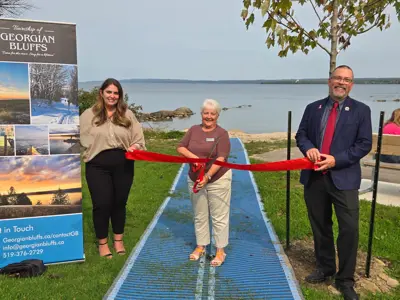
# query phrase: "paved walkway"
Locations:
[[388, 186], [256, 266]]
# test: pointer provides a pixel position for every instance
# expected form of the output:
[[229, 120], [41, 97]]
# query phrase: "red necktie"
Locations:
[[330, 129]]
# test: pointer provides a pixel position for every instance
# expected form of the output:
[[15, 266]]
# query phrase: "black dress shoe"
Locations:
[[348, 292], [317, 276]]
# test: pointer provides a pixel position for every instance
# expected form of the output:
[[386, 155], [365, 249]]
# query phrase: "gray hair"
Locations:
[[211, 103], [344, 67]]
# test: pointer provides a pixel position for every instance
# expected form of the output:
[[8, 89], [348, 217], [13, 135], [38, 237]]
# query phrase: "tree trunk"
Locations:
[[334, 36]]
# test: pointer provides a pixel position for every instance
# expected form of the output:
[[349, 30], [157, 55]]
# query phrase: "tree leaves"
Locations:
[[352, 17], [246, 3], [244, 14], [250, 20], [397, 7], [264, 7]]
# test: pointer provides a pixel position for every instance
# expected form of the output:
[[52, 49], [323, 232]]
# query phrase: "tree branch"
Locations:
[[319, 18], [14, 7], [373, 3], [315, 10], [352, 15], [307, 33], [364, 30]]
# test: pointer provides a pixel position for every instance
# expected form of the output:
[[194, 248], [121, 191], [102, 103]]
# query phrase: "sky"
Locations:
[[40, 173], [200, 40], [14, 81], [63, 129], [31, 132]]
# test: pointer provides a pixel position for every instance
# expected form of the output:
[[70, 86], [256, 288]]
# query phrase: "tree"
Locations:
[[87, 99], [23, 199], [48, 82], [60, 198], [3, 200], [13, 8], [72, 94], [338, 22], [12, 196]]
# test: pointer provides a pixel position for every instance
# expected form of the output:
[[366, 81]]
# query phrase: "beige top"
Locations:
[[96, 139]]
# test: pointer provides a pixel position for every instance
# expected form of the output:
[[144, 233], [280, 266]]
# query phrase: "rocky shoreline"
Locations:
[[165, 115], [169, 115]]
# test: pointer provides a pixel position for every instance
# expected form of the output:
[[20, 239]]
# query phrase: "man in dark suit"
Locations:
[[335, 133]]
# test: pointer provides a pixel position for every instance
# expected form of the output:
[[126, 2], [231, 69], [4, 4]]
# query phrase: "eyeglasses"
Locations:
[[339, 78]]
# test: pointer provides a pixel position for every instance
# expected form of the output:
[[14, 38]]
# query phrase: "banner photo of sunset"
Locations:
[[44, 184], [14, 93]]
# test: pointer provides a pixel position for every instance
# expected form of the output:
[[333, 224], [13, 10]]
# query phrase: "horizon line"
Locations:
[[217, 80]]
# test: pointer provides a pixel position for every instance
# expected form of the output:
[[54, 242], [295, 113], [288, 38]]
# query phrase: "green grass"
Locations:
[[163, 135], [92, 279], [262, 147]]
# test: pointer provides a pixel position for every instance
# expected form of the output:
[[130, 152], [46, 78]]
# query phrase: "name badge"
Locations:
[[210, 139]]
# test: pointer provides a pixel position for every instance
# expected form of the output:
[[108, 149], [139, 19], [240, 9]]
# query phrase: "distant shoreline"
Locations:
[[388, 80]]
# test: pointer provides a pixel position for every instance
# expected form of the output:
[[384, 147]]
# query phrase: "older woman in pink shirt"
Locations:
[[392, 126]]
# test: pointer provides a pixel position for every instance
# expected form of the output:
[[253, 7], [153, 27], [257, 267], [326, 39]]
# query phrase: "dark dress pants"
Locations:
[[109, 176], [320, 195]]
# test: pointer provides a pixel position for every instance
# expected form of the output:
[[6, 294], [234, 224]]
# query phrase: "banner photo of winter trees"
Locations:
[[40, 167]]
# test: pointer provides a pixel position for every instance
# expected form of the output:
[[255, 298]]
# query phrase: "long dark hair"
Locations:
[[395, 118], [100, 111]]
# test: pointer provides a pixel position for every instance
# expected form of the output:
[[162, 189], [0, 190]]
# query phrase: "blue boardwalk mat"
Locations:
[[255, 267]]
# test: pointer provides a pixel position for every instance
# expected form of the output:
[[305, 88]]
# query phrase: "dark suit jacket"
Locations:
[[351, 142]]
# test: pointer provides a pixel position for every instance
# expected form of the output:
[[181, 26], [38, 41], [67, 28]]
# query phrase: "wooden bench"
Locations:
[[390, 146]]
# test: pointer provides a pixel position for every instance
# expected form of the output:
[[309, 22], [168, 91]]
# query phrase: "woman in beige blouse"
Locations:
[[108, 130]]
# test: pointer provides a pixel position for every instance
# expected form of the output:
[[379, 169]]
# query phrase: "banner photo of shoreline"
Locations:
[[40, 164]]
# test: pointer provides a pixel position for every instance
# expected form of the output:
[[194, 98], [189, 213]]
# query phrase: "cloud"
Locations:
[[41, 168]]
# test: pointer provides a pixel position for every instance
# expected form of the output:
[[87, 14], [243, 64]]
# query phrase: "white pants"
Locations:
[[214, 198]]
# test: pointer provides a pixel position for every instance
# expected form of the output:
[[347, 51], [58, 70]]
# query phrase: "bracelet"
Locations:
[[208, 176]]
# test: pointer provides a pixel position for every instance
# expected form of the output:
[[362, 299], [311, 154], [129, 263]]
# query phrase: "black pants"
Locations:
[[320, 193], [109, 176]]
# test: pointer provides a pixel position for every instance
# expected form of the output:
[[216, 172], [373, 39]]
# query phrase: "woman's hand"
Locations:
[[133, 147], [202, 183]]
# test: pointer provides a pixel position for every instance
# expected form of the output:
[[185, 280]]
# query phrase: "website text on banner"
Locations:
[[40, 167]]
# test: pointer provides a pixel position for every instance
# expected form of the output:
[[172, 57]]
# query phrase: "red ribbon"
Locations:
[[202, 169], [284, 165]]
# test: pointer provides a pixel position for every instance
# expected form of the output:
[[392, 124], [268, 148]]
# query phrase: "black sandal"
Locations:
[[121, 252], [108, 255]]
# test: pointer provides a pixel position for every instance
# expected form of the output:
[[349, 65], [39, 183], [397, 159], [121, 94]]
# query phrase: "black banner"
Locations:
[[27, 41]]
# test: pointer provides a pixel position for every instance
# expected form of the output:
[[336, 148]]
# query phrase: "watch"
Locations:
[[208, 176]]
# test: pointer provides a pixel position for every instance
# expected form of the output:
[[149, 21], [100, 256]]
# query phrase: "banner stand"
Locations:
[[40, 163]]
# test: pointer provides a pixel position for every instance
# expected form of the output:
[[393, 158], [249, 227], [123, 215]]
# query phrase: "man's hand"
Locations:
[[313, 155], [133, 147], [327, 163]]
